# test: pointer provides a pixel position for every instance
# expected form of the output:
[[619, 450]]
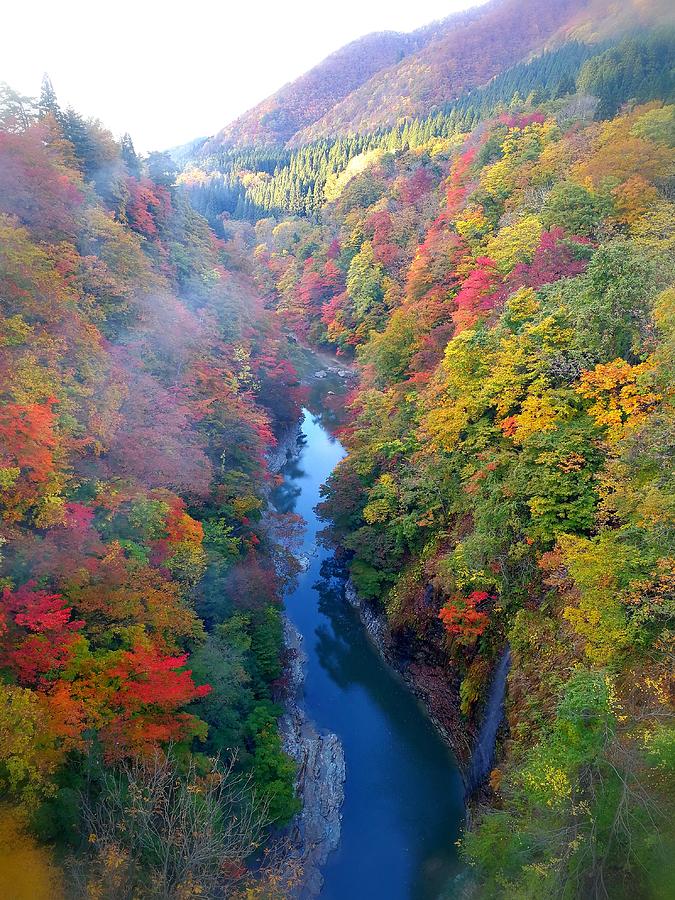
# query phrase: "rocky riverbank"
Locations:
[[286, 447], [315, 832]]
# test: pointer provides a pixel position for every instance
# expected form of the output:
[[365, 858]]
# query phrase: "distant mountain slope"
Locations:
[[301, 102], [469, 52], [384, 77]]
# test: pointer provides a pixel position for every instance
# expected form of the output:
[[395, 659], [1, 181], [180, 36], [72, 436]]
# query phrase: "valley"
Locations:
[[336, 491]]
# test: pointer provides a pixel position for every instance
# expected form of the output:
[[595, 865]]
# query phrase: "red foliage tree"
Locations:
[[37, 633], [556, 257], [415, 186], [27, 446], [477, 295], [35, 186], [462, 618], [148, 690], [147, 205], [458, 183], [172, 455]]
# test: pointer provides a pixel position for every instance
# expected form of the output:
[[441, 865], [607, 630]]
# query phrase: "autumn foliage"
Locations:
[[140, 380], [508, 301], [461, 617], [499, 271]]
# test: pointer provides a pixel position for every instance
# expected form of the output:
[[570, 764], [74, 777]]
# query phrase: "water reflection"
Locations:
[[335, 647], [285, 497]]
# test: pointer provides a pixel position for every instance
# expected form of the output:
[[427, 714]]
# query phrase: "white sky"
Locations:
[[169, 72]]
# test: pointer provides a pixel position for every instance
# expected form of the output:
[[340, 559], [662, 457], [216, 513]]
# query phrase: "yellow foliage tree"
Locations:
[[618, 403]]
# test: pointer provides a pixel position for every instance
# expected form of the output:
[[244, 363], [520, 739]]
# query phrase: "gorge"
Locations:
[[337, 532], [403, 798]]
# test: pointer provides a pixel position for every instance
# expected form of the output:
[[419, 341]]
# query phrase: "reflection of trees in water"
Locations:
[[326, 402], [285, 496], [352, 691], [421, 765], [343, 648], [338, 647], [293, 471]]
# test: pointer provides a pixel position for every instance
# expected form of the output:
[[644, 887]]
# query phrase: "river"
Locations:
[[403, 803]]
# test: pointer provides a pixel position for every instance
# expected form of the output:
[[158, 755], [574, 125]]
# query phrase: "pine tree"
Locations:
[[48, 104], [17, 112], [75, 130], [129, 155]]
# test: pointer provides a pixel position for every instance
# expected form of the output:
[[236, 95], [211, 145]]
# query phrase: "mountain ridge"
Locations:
[[277, 118], [384, 77]]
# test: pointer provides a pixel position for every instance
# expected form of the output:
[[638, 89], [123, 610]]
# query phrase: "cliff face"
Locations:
[[424, 673]]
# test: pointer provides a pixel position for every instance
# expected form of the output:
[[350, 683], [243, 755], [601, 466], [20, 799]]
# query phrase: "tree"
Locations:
[[572, 207], [40, 636], [364, 282], [636, 69], [28, 753], [17, 112], [48, 104], [462, 619], [161, 169], [190, 831], [129, 156], [148, 691]]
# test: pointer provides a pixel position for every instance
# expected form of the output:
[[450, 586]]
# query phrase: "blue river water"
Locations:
[[403, 804]]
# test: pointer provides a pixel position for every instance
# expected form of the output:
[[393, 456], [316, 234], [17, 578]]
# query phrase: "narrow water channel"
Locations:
[[403, 793]]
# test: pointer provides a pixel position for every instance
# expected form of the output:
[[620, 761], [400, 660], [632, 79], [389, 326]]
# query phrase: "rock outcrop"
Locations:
[[315, 832]]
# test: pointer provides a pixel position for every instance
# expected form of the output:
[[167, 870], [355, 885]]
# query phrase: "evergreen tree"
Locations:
[[48, 104], [129, 156], [17, 112], [76, 131], [161, 168]]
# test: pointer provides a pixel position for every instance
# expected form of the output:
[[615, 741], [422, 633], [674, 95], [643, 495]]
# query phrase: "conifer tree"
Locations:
[[130, 156], [48, 104]]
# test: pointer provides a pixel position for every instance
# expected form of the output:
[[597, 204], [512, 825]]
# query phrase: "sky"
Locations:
[[168, 72]]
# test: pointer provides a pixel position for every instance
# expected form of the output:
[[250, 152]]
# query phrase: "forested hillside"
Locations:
[[304, 101], [382, 78], [140, 383], [503, 275], [254, 182]]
